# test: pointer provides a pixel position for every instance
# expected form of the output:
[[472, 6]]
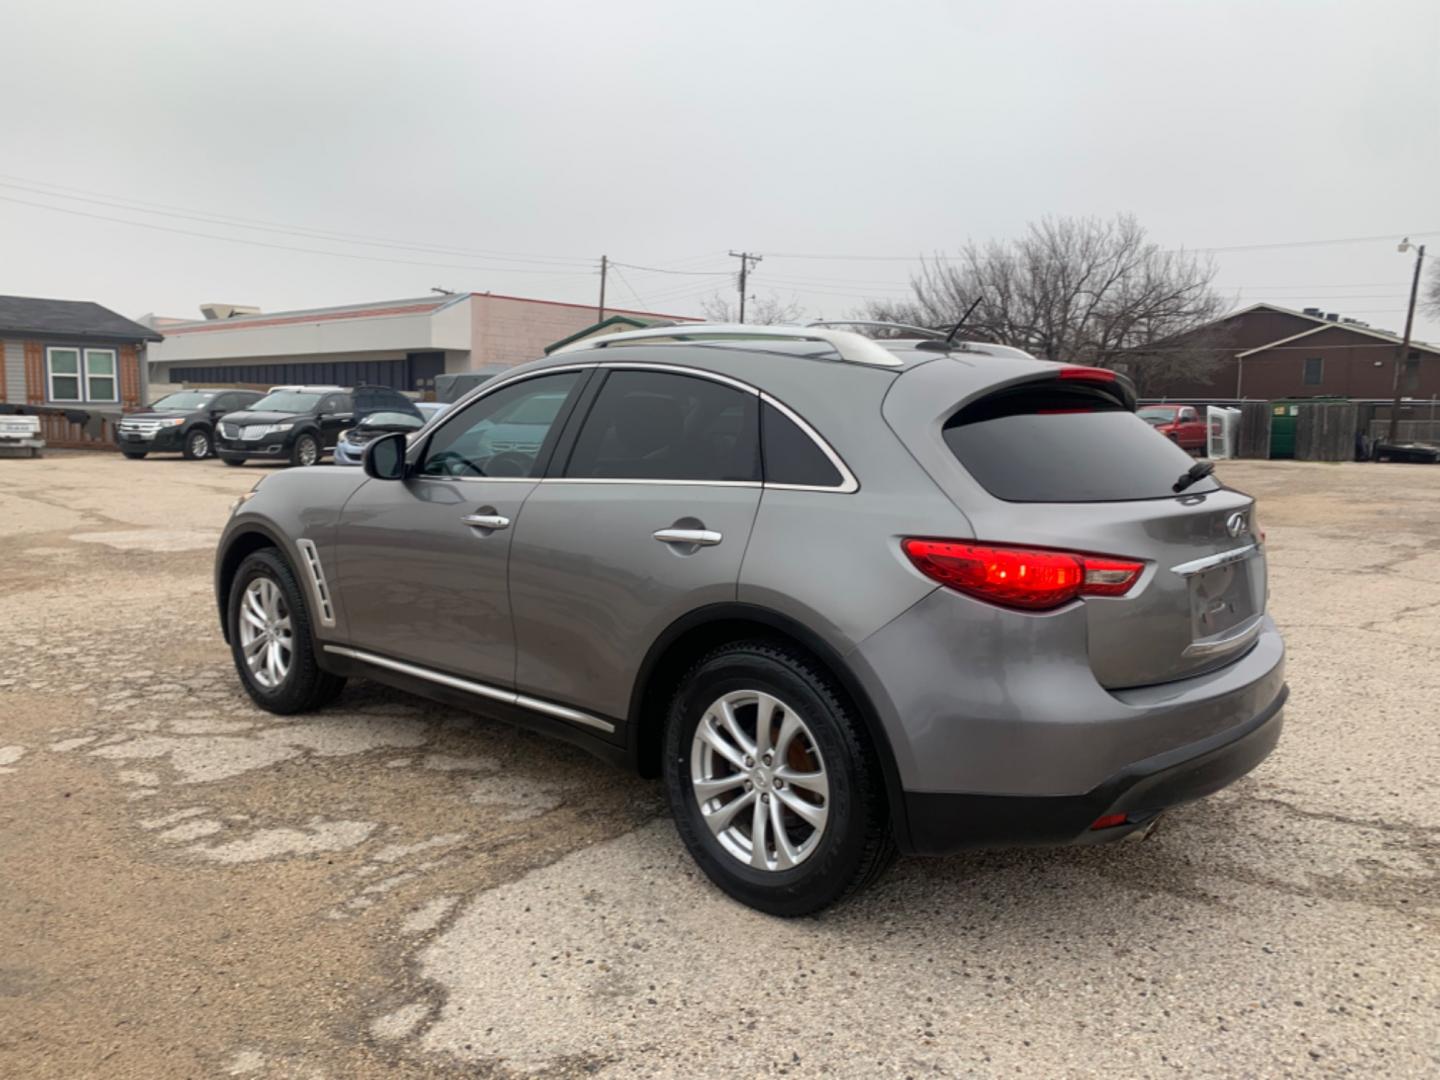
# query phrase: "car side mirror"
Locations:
[[385, 457]]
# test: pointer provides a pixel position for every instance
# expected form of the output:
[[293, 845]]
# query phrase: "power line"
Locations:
[[1194, 250], [213, 218], [290, 247], [659, 270]]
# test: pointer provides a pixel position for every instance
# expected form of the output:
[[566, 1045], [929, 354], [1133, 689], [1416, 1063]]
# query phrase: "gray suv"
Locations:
[[846, 595]]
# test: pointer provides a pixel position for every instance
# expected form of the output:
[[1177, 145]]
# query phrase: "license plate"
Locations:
[[1222, 598]]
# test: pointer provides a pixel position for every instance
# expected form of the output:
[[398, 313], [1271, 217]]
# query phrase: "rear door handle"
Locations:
[[698, 537], [487, 521]]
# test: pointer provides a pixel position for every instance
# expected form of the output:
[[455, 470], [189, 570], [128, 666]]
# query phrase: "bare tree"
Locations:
[[1085, 291], [1431, 291], [762, 310]]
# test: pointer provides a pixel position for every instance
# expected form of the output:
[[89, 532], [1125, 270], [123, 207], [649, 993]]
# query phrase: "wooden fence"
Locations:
[[1325, 431], [63, 434]]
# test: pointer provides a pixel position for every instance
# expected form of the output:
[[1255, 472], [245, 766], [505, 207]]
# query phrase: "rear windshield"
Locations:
[[1062, 444]]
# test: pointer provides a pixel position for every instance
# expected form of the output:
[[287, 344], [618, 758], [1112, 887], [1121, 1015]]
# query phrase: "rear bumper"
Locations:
[[940, 823]]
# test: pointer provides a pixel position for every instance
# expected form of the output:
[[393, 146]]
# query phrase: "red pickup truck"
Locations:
[[1180, 423]]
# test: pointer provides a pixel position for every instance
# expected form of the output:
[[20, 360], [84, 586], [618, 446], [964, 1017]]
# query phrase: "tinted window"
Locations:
[[503, 433], [336, 403], [658, 426], [791, 456], [185, 400], [1065, 445], [1314, 370]]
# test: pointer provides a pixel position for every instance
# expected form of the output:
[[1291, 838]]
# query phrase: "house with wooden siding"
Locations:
[[75, 364], [1268, 352]]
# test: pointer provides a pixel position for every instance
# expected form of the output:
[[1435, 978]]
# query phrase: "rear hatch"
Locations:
[[1055, 458]]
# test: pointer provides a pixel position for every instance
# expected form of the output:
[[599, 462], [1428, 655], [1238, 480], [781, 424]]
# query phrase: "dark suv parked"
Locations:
[[182, 422], [291, 423]]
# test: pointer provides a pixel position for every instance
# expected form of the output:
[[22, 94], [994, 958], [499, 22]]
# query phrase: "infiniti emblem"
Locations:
[[1235, 524]]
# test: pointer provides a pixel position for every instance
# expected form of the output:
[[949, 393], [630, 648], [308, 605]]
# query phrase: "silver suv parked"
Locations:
[[845, 595]]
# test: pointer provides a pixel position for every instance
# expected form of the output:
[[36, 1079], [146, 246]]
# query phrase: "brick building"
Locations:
[[72, 362], [1270, 352], [398, 343]]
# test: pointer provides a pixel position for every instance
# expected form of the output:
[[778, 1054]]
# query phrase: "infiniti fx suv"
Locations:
[[847, 596]]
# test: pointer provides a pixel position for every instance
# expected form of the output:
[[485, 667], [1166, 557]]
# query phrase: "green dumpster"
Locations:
[[1284, 419]]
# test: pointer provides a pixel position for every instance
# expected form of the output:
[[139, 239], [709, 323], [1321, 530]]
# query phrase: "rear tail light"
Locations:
[[1088, 374], [1109, 821], [1029, 578]]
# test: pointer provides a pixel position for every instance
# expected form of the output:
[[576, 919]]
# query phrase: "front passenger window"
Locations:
[[503, 433]]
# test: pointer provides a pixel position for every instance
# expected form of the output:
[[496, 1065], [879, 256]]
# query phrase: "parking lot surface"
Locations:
[[190, 887]]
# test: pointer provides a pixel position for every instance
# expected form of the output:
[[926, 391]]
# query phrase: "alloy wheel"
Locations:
[[759, 780], [308, 452], [199, 445], [266, 636]]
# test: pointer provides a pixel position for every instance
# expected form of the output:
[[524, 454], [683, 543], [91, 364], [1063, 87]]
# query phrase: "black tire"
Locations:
[[233, 460], [856, 845], [305, 687], [198, 435], [298, 453], [132, 455]]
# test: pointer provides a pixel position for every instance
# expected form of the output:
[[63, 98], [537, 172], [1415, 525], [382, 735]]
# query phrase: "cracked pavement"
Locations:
[[194, 888]]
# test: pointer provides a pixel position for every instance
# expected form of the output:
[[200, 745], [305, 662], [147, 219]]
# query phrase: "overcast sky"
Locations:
[[514, 143]]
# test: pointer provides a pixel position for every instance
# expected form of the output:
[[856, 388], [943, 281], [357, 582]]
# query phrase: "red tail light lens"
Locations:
[[1088, 374], [1029, 578]]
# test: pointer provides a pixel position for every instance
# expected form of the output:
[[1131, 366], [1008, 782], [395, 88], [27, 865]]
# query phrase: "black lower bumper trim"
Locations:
[[943, 822]]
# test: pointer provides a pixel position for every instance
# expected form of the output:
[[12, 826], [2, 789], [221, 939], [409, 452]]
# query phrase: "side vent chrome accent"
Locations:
[[323, 607]]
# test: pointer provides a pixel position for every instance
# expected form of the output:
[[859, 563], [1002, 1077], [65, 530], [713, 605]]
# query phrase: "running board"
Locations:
[[491, 693]]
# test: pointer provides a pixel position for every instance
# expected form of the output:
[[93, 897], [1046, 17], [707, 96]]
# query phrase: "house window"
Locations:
[[81, 375], [1314, 370]]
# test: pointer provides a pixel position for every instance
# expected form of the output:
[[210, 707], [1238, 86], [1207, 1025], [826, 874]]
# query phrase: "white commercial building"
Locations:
[[399, 343]]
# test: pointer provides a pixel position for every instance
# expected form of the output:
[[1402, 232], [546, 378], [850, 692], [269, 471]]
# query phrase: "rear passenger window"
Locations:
[[791, 456], [1043, 444], [648, 425]]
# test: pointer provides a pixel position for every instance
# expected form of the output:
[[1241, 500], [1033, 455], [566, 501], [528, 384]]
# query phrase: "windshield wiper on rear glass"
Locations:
[[1198, 471]]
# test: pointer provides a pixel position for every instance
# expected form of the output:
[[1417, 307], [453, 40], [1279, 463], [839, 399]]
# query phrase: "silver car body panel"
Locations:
[[968, 697]]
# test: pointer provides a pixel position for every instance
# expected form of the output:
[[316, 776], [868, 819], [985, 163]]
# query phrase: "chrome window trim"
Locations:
[[479, 689], [848, 486], [483, 391]]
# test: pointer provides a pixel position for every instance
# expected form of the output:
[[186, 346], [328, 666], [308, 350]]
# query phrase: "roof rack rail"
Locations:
[[847, 345], [880, 324]]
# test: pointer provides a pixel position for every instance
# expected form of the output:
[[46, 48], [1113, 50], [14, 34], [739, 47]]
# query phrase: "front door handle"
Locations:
[[486, 521], [698, 537]]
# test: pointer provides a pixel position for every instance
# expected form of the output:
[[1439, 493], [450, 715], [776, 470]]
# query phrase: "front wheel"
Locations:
[[270, 638], [306, 451], [197, 445], [774, 785]]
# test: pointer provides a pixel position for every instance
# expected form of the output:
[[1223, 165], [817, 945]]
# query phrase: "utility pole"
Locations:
[[1404, 353], [604, 269], [747, 263]]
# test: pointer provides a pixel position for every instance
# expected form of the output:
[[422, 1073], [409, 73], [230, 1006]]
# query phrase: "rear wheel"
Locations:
[[773, 784], [233, 460], [270, 638], [306, 451], [134, 455], [197, 444]]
